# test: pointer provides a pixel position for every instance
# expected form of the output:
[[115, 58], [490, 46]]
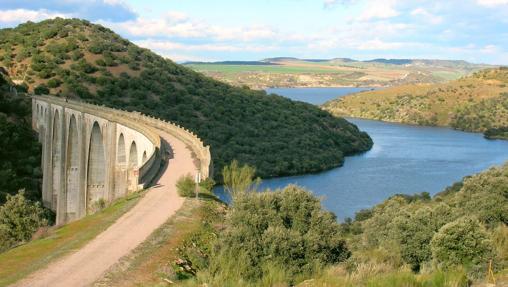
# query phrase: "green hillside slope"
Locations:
[[82, 60], [20, 153], [475, 103]]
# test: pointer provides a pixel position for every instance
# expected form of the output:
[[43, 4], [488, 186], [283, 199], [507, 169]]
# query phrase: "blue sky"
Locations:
[[473, 30]]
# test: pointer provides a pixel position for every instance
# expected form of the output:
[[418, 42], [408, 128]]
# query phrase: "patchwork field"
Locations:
[[292, 72]]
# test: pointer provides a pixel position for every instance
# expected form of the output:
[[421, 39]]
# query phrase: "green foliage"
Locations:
[[276, 230], [415, 232], [476, 103], [487, 115], [41, 90], [19, 219], [206, 186], [296, 137], [420, 230], [462, 242], [496, 133], [239, 179], [186, 186], [20, 153]]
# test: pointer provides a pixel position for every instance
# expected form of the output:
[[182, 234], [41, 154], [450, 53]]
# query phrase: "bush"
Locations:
[[54, 83], [238, 179], [186, 186], [41, 90], [19, 219], [206, 185], [282, 230], [415, 232], [462, 242]]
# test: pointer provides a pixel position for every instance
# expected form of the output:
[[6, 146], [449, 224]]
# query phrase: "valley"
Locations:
[[340, 72], [135, 151]]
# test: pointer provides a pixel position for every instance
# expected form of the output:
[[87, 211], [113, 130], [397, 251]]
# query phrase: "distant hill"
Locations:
[[477, 103], [78, 59], [251, 63], [295, 72]]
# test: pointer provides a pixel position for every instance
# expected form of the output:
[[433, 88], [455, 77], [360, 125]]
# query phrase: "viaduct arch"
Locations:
[[84, 160], [93, 154]]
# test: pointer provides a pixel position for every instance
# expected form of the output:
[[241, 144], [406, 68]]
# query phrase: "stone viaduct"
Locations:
[[93, 155]]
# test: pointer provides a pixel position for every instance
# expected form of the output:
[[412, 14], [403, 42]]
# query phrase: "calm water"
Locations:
[[316, 96], [404, 159]]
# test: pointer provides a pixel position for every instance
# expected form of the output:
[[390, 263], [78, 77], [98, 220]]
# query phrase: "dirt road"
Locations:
[[86, 265]]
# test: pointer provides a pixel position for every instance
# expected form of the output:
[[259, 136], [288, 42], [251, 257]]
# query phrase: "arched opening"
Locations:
[[72, 170], [96, 166], [144, 157], [121, 168], [120, 151], [132, 174], [133, 156], [56, 154]]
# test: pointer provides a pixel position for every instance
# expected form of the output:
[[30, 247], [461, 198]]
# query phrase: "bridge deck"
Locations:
[[85, 266]]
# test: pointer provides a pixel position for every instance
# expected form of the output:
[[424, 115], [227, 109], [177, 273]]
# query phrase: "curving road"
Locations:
[[85, 266]]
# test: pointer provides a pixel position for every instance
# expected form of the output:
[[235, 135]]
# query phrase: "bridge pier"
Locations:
[[84, 159]]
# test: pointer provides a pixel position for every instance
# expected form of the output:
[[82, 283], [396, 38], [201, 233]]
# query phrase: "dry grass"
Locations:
[[151, 263], [17, 263], [431, 104]]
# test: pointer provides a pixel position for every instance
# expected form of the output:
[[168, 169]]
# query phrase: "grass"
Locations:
[[17, 263], [396, 278], [151, 263]]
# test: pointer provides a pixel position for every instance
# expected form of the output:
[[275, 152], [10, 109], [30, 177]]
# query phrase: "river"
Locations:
[[404, 159]]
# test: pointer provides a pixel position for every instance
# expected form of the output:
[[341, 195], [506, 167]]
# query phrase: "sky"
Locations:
[[217, 30]]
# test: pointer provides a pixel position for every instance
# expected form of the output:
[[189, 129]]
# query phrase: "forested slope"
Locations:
[[20, 153], [78, 59], [475, 103]]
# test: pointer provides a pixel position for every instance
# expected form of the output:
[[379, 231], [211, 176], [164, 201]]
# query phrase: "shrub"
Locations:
[[41, 90], [207, 185], [238, 179], [19, 219], [462, 242], [54, 83], [415, 232], [186, 186], [282, 230]]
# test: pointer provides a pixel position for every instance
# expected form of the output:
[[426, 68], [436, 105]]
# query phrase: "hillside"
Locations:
[[284, 237], [294, 72], [474, 103], [20, 153], [74, 58]]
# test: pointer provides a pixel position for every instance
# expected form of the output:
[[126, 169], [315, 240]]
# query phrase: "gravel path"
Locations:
[[85, 266]]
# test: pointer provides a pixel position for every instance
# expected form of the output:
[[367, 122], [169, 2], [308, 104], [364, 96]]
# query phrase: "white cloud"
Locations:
[[492, 3], [426, 15], [16, 16], [165, 46], [378, 10], [378, 44], [177, 24], [331, 3]]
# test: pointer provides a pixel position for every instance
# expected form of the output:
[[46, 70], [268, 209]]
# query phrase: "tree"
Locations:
[[19, 219], [414, 233], [239, 179], [276, 230], [462, 242]]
